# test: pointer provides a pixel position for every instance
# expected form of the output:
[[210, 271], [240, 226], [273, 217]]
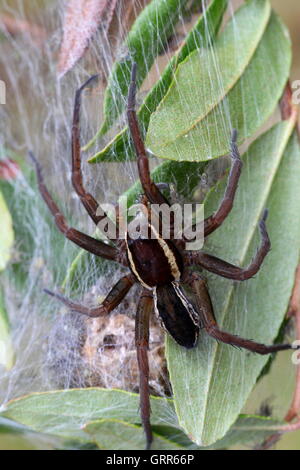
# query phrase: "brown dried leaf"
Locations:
[[82, 19], [122, 18], [15, 26], [127, 10]]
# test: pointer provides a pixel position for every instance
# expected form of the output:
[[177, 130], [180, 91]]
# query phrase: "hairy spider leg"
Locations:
[[149, 187], [86, 242], [207, 318], [144, 310], [215, 220], [88, 201], [224, 269], [151, 190], [111, 301]]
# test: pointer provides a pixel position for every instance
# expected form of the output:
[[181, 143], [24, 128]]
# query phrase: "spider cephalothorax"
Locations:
[[160, 266]]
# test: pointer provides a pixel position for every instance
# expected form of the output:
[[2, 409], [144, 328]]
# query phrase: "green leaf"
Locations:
[[247, 430], [201, 35], [6, 244], [64, 413], [146, 40], [17, 437], [23, 197], [6, 234], [185, 177], [10, 427], [236, 84], [112, 434], [212, 382], [6, 346], [19, 199]]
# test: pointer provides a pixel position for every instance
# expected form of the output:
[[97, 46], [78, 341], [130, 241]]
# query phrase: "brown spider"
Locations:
[[158, 265]]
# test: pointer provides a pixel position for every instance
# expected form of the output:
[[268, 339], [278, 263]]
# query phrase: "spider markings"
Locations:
[[154, 261], [157, 264], [176, 314]]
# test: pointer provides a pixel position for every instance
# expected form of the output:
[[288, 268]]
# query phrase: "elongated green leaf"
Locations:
[[14, 436], [113, 433], [184, 176], [238, 84], [248, 430], [212, 382], [6, 243], [202, 35], [144, 42], [14, 193], [6, 233], [6, 346], [25, 204], [11, 427], [64, 413], [118, 435]]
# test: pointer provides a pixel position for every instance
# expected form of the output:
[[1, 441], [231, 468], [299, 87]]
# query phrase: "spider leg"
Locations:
[[144, 310], [151, 190], [86, 242], [224, 269], [207, 318], [215, 220], [111, 301], [88, 201]]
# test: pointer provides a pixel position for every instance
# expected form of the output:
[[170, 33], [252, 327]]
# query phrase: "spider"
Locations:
[[160, 266]]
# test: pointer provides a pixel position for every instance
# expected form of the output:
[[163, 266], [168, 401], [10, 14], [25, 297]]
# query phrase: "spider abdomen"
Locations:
[[154, 262], [177, 315]]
